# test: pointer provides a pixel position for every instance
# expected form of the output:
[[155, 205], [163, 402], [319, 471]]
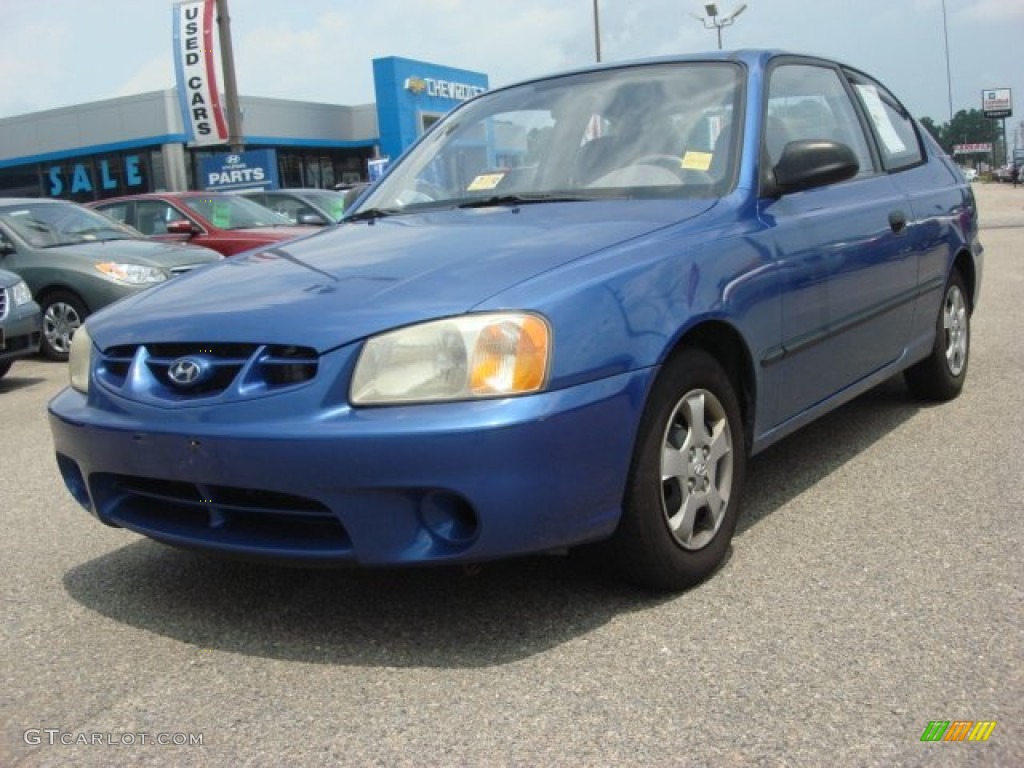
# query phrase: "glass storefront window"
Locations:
[[289, 168], [158, 178], [20, 181], [96, 177]]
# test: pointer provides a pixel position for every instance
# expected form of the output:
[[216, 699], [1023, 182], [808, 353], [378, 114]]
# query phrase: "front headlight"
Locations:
[[133, 274], [20, 293], [80, 359], [460, 358]]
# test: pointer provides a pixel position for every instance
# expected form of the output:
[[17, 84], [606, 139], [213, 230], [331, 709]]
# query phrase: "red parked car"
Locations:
[[226, 223]]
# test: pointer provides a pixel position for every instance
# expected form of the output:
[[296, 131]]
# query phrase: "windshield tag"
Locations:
[[485, 181]]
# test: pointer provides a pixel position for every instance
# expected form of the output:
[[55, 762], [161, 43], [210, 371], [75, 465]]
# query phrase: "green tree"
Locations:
[[934, 130], [969, 127]]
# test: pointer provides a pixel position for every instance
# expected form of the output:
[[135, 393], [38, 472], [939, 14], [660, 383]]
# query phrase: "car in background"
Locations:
[[1004, 173], [226, 223], [970, 174], [20, 321], [77, 261], [571, 331], [352, 190], [316, 207]]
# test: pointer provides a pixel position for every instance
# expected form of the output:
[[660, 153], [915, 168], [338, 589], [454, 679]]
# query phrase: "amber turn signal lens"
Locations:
[[510, 357]]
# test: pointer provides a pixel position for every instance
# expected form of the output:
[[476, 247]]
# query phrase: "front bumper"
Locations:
[[20, 332], [456, 482]]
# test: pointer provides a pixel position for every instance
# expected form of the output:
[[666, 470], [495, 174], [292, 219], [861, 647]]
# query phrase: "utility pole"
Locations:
[[234, 115], [597, 33]]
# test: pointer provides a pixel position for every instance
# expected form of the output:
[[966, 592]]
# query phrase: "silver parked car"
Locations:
[[20, 321], [76, 261], [318, 207]]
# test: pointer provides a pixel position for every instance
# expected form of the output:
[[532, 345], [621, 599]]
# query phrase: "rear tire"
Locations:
[[683, 493], [5, 366], [941, 375]]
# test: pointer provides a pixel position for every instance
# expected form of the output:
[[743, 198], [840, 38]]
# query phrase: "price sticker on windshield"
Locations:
[[696, 161], [485, 181]]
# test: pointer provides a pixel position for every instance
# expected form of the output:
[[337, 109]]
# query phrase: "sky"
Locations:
[[56, 53]]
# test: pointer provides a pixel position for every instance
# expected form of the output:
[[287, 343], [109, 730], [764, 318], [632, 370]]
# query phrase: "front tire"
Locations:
[[941, 375], [63, 314], [683, 493]]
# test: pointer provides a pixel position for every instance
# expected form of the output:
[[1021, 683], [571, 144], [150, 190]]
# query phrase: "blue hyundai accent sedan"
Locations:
[[567, 315]]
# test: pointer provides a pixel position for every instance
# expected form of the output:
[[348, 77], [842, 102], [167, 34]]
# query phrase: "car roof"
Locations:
[[288, 189], [32, 200], [754, 58], [157, 195]]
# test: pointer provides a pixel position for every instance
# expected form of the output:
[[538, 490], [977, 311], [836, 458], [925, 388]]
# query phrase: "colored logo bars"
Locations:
[[958, 730]]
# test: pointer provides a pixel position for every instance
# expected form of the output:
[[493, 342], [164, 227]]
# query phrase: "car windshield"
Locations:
[[48, 225], [655, 130], [234, 212]]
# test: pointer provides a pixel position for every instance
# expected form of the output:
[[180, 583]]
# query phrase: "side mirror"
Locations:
[[181, 227], [810, 163], [313, 219]]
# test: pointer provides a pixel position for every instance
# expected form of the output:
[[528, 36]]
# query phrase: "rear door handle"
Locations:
[[897, 221]]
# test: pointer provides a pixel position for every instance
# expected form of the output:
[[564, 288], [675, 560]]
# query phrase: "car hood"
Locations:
[[359, 278], [148, 252]]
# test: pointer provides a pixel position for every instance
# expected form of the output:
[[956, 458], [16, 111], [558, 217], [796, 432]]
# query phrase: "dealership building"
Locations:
[[140, 143]]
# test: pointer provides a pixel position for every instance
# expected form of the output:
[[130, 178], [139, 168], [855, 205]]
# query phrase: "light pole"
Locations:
[[597, 33], [716, 22], [949, 77], [235, 141]]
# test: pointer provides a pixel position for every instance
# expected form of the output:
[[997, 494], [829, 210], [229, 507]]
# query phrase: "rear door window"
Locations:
[[897, 138]]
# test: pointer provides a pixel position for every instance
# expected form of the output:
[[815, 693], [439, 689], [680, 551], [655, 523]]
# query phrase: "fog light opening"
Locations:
[[449, 518], [74, 481]]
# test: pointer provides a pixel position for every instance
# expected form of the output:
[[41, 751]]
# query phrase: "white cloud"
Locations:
[[30, 79], [331, 61], [995, 10], [59, 52], [155, 75]]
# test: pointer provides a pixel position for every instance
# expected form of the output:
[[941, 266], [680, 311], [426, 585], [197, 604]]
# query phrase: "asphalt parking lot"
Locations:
[[875, 585]]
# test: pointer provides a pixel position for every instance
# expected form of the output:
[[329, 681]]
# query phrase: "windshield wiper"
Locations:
[[498, 200], [370, 214]]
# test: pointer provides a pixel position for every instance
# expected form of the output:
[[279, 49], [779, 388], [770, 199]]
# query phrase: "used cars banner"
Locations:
[[195, 67]]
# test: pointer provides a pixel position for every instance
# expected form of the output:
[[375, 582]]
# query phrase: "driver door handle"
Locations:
[[897, 221]]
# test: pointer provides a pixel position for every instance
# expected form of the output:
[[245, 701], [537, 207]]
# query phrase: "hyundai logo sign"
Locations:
[[255, 169], [187, 372]]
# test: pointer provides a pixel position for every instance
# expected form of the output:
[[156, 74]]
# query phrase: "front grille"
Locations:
[[3, 303], [241, 369], [220, 516]]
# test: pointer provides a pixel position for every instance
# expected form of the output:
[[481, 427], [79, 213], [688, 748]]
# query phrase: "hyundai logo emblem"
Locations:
[[233, 160], [186, 372]]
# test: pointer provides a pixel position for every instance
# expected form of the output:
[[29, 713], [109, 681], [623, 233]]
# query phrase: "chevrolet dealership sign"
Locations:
[[996, 102], [443, 89]]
